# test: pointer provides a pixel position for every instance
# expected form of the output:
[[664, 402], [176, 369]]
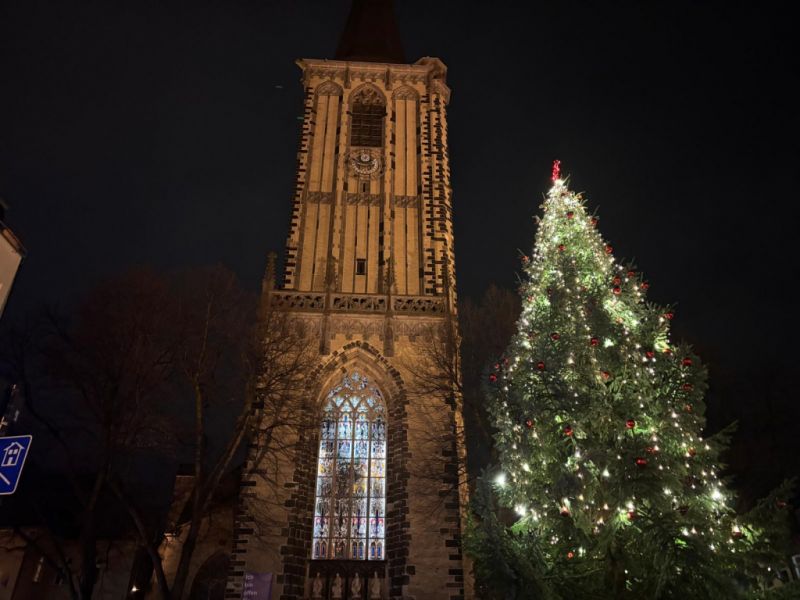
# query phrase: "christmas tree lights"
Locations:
[[599, 420]]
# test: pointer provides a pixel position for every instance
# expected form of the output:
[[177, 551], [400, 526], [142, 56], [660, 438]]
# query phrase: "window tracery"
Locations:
[[366, 124], [350, 507]]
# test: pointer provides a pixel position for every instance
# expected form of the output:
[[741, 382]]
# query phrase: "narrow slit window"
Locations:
[[361, 266]]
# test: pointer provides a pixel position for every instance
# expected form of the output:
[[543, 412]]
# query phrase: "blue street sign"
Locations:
[[13, 452]]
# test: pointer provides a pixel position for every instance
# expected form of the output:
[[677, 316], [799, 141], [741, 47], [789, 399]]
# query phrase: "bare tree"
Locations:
[[436, 391], [288, 351], [486, 328], [186, 367], [99, 379], [231, 360], [274, 354], [450, 360]]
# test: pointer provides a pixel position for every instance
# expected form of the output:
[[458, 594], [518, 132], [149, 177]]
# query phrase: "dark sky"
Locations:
[[147, 133]]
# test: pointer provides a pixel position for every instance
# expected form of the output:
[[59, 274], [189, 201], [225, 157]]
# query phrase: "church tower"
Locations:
[[368, 499]]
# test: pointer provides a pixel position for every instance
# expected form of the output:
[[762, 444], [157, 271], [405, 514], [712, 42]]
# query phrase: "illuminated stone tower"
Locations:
[[375, 483]]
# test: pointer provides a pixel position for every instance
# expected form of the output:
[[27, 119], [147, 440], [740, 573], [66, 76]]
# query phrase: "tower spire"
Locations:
[[371, 34]]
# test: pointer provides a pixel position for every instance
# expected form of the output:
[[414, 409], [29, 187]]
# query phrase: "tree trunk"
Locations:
[[88, 541], [145, 539], [187, 550], [88, 576], [161, 578]]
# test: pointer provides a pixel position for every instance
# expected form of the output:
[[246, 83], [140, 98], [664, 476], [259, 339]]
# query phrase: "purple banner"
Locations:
[[257, 586]]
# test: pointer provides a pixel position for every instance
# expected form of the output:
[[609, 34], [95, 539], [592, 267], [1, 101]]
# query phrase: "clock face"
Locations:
[[365, 164]]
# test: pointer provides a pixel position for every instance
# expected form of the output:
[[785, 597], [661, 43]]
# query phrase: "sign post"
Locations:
[[13, 452]]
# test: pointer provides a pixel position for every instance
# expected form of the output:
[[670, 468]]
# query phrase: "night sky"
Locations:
[[140, 133]]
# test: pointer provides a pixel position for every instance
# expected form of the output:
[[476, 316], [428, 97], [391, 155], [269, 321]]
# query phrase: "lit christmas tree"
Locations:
[[599, 421]]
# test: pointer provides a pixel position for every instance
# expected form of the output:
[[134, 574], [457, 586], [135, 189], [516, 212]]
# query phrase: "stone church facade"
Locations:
[[373, 487]]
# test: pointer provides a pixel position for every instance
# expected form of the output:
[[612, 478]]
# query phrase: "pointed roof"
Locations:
[[371, 34]]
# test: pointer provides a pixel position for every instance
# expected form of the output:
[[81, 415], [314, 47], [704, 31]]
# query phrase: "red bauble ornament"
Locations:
[[650, 450], [529, 423], [570, 555], [688, 408], [617, 290], [564, 511], [630, 423], [524, 259], [568, 431], [570, 214], [691, 452], [496, 366], [616, 281], [605, 375], [492, 377], [649, 354], [641, 462], [540, 365], [737, 534], [668, 316], [593, 221], [686, 362], [554, 336], [593, 341], [609, 249], [631, 515], [645, 285], [561, 247], [667, 350], [631, 273], [687, 387]]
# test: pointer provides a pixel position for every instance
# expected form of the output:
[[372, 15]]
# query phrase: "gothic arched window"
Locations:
[[366, 123], [350, 507]]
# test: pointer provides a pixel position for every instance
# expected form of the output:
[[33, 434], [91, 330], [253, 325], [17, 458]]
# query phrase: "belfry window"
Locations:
[[366, 123], [350, 507]]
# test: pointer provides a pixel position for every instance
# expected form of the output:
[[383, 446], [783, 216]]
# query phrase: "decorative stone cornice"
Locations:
[[429, 71], [357, 303]]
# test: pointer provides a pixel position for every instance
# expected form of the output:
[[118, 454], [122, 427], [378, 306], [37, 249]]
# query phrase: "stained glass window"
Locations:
[[350, 508]]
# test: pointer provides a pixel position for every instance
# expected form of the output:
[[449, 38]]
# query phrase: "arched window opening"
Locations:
[[366, 124], [350, 507]]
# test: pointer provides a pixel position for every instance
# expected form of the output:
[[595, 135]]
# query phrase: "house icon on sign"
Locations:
[[12, 454]]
